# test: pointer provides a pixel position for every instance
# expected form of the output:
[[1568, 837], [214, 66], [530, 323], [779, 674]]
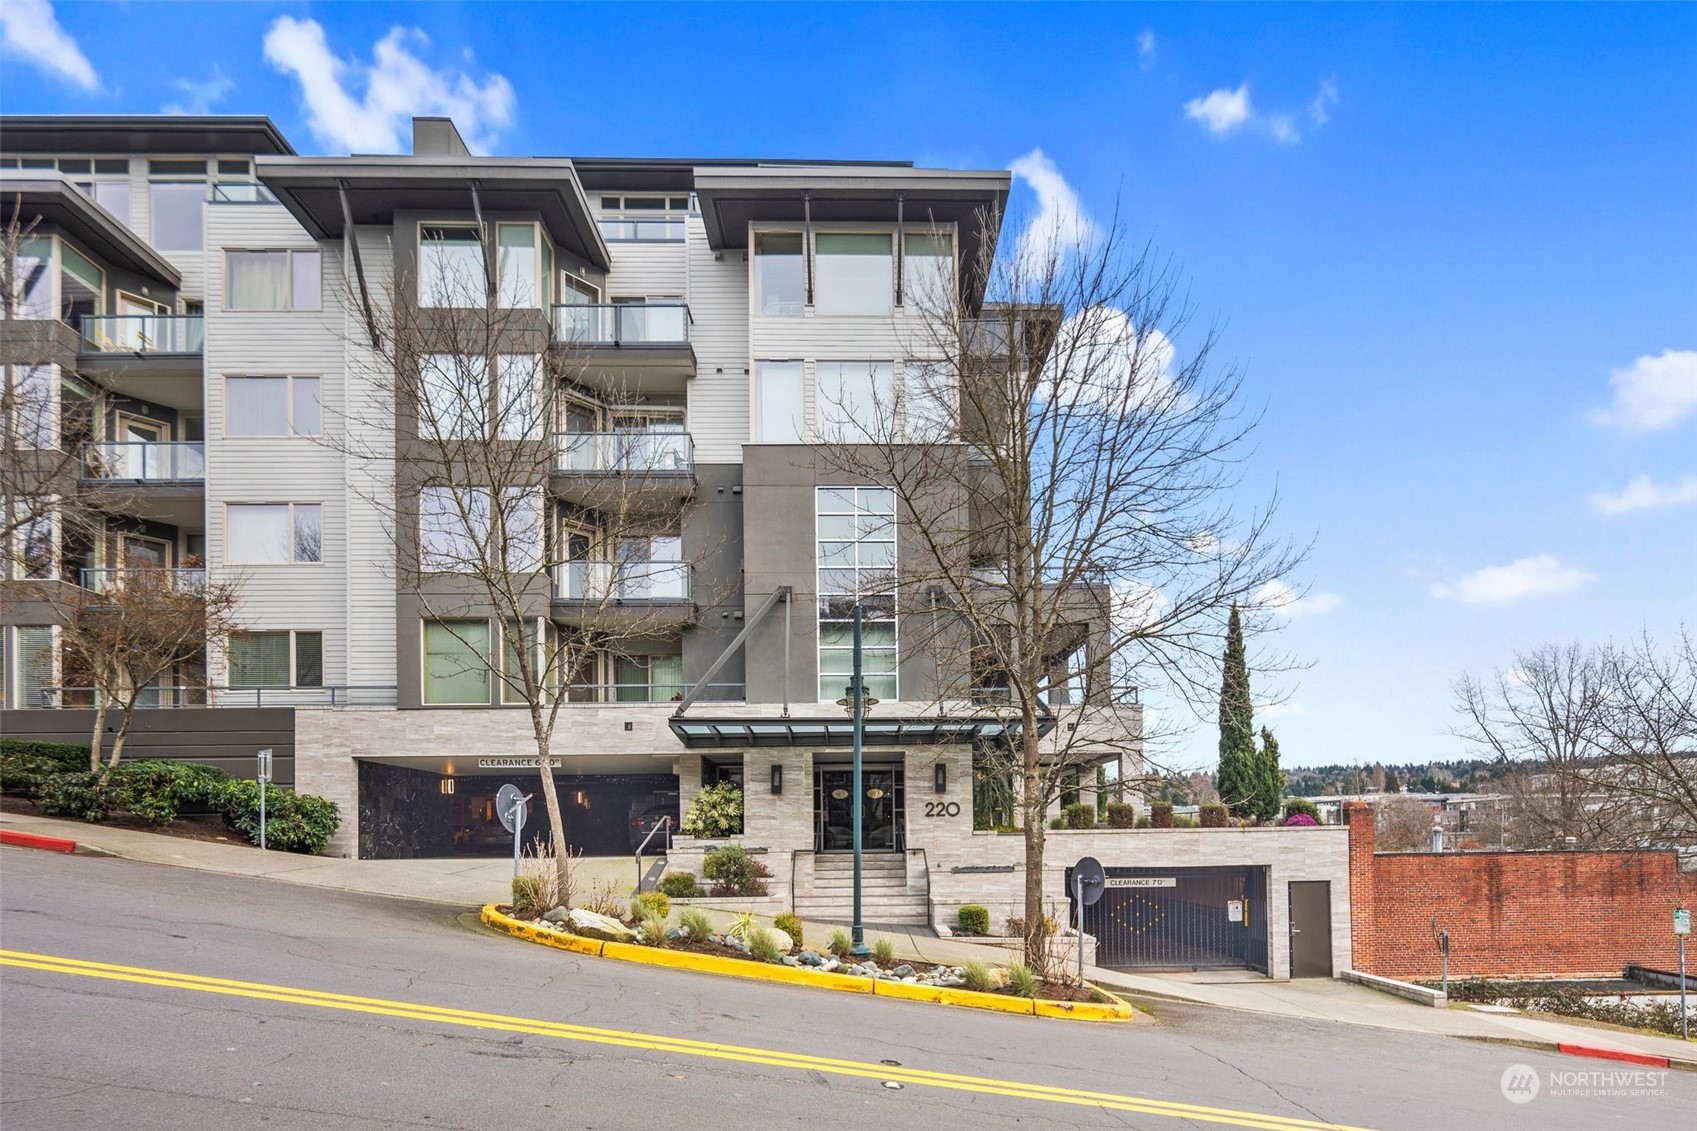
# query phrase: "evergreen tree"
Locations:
[[1269, 779], [1392, 785], [1236, 778]]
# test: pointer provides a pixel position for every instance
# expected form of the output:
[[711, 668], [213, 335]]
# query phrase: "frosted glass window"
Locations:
[[177, 209], [450, 267], [781, 406], [857, 402], [778, 273], [854, 273], [517, 260], [456, 668]]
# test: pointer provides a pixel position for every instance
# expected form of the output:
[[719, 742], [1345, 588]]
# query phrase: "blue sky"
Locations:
[[1454, 247]]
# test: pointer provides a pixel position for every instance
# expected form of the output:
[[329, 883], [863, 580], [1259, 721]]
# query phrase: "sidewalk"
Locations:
[[471, 883]]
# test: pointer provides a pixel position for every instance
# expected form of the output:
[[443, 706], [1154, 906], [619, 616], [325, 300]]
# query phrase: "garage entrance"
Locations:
[[1180, 918]]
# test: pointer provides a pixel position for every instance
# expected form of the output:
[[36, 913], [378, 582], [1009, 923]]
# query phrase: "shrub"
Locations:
[[1016, 927], [841, 943], [695, 923], [1057, 822], [1215, 816], [1021, 980], [974, 919], [603, 899], [81, 795], [678, 885], [158, 790], [884, 950], [735, 872], [1295, 805], [1080, 816], [528, 901], [1161, 815], [1298, 819], [652, 931], [715, 811], [24, 764], [1144, 823], [1184, 821], [762, 945], [976, 975], [1122, 815], [294, 822], [789, 923], [647, 903]]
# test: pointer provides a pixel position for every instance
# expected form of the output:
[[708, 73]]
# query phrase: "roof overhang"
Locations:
[[142, 133], [57, 202], [917, 730], [378, 187]]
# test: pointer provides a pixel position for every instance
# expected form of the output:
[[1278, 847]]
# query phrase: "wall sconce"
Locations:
[[777, 777], [446, 785], [940, 777]]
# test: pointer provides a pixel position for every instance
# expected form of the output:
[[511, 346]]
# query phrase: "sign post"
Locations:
[[1682, 928], [1088, 883], [511, 806], [264, 785]]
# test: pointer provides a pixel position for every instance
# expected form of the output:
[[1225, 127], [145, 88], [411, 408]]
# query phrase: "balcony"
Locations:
[[646, 469], [152, 357], [110, 580], [143, 334], [653, 595], [187, 695], [627, 348], [144, 462], [656, 693]]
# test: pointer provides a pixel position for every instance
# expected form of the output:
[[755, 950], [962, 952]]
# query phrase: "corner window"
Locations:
[[272, 406], [857, 563], [274, 533], [450, 266], [854, 273], [272, 280], [276, 659], [456, 662], [778, 273], [32, 280], [857, 401], [780, 402]]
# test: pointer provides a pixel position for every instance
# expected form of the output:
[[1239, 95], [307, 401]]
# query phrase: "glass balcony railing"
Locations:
[[622, 324], [109, 580], [621, 581], [643, 451], [144, 333], [241, 192], [648, 230], [146, 462]]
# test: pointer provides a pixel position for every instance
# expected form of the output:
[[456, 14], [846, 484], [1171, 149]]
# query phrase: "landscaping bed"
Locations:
[[203, 826]]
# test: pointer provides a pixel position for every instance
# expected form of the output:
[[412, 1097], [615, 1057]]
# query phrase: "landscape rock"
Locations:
[[593, 926], [558, 915], [830, 965], [808, 958], [998, 977], [782, 938], [903, 971]]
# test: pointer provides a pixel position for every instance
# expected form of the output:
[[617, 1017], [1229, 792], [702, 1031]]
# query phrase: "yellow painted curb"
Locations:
[[1115, 1009]]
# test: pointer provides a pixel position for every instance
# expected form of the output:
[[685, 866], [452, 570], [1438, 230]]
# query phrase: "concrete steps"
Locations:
[[884, 895]]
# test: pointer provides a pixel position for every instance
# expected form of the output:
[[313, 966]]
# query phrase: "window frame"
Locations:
[[757, 305], [820, 648], [489, 639], [481, 241], [293, 533], [293, 636], [812, 248], [293, 253], [156, 178], [290, 432], [757, 410]]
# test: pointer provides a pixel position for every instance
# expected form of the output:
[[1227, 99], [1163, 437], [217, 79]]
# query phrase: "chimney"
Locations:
[[437, 137]]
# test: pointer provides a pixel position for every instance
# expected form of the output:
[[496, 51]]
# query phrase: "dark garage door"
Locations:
[[1181, 918]]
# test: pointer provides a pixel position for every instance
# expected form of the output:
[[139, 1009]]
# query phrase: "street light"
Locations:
[[856, 701]]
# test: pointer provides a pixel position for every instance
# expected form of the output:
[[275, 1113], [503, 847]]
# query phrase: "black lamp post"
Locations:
[[857, 701]]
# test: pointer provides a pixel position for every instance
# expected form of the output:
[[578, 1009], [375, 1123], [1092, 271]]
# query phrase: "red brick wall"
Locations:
[[1511, 913]]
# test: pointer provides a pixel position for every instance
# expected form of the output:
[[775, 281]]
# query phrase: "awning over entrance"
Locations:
[[923, 730]]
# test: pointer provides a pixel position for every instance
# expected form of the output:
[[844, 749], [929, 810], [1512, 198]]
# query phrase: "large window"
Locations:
[[648, 679], [517, 265], [82, 285], [928, 400], [778, 282], [450, 266], [454, 394], [274, 533], [32, 279], [272, 280], [857, 564], [854, 273], [37, 672], [928, 272], [272, 406], [456, 532], [456, 664], [177, 207], [857, 401], [35, 543], [780, 402], [276, 659], [31, 406]]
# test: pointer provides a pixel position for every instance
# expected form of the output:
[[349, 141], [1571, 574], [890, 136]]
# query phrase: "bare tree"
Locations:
[[1065, 460], [465, 398], [1649, 735], [1402, 825]]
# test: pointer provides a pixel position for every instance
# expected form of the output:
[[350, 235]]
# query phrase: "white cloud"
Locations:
[[1102, 359], [1059, 224], [1282, 599], [30, 31], [397, 85], [1146, 48], [1653, 393], [1320, 110], [198, 97], [1645, 494], [1280, 710], [1221, 111], [1538, 576]]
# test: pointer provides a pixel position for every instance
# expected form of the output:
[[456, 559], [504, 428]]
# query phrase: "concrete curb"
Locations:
[[35, 840], [1114, 1010]]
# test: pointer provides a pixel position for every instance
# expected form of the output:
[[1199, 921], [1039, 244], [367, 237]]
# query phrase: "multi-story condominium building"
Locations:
[[231, 320]]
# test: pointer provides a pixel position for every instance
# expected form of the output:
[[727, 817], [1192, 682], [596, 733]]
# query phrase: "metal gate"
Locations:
[[1180, 918]]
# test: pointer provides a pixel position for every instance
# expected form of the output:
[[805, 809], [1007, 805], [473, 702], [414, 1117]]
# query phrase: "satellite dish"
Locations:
[[1089, 880], [510, 806]]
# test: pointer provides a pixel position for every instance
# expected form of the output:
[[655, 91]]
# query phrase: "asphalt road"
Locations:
[[569, 1042]]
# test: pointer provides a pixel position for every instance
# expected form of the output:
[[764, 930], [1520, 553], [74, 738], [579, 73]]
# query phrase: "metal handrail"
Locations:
[[148, 461], [144, 333], [609, 692], [665, 823], [639, 451], [186, 696], [622, 324]]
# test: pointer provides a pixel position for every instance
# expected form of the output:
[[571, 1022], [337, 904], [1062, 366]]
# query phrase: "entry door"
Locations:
[[834, 810], [1311, 929]]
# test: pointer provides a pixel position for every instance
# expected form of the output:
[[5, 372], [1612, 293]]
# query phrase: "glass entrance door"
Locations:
[[881, 824]]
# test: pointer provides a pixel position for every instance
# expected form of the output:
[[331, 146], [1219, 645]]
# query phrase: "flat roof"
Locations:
[[141, 133], [919, 730]]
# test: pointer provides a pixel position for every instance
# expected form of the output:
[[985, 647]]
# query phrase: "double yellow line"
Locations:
[[679, 1046]]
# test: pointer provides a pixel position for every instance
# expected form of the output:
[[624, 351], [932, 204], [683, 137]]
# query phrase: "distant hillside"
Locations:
[[1464, 776]]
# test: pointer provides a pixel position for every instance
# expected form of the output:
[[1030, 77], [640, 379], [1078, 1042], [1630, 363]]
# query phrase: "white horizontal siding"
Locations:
[[718, 396], [641, 269]]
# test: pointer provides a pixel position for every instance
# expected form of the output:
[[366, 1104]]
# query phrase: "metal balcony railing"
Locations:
[[620, 581], [146, 462], [647, 451], [109, 580], [650, 230], [185, 695], [144, 333], [622, 324], [654, 693]]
